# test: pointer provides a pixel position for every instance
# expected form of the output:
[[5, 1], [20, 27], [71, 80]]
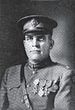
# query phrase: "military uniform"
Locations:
[[47, 86], [42, 86]]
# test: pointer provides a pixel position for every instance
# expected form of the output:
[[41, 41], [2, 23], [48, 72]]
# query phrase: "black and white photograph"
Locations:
[[37, 54]]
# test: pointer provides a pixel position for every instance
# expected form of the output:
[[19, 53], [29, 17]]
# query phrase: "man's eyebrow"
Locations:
[[34, 35]]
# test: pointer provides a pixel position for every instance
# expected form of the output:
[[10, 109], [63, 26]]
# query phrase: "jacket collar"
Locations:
[[46, 62]]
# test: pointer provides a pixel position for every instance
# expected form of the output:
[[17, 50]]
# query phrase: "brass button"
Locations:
[[22, 101], [27, 85]]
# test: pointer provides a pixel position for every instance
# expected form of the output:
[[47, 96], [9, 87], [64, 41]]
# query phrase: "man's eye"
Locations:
[[29, 37], [41, 38]]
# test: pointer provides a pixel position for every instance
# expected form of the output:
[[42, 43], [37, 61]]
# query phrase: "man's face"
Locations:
[[37, 46]]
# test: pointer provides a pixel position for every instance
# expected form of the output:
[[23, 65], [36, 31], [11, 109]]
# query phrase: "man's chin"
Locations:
[[36, 59], [35, 56]]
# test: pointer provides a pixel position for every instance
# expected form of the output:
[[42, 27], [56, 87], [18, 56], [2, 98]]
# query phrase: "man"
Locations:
[[40, 84]]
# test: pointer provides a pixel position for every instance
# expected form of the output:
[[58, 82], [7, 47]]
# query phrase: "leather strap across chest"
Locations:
[[26, 98]]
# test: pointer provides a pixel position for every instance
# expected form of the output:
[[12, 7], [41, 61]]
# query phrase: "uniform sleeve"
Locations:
[[3, 93], [65, 98]]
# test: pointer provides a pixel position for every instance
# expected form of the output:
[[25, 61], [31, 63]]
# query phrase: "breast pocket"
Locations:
[[14, 94]]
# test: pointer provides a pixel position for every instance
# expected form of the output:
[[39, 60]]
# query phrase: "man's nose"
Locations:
[[35, 42]]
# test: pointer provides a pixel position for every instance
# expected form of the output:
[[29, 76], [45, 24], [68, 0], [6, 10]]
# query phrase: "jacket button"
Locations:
[[27, 85], [22, 101]]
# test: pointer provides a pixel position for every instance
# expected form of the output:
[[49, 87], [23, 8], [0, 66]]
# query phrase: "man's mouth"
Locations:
[[35, 51]]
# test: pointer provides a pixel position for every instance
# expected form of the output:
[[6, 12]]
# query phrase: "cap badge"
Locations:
[[34, 22]]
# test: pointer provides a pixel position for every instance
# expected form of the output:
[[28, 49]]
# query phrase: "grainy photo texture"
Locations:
[[37, 57]]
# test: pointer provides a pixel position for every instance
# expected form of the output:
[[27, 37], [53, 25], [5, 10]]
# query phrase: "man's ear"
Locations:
[[51, 43]]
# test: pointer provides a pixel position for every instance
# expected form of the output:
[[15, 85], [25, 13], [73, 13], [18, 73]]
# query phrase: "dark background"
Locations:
[[11, 48]]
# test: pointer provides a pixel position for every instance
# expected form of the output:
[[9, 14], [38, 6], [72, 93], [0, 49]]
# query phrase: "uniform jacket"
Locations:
[[50, 87]]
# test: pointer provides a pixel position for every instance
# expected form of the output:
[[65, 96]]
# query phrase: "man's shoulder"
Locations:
[[13, 71], [63, 67], [62, 70], [58, 69], [12, 76], [14, 67]]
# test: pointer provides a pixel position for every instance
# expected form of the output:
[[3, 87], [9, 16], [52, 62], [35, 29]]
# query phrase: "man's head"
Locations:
[[37, 31]]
